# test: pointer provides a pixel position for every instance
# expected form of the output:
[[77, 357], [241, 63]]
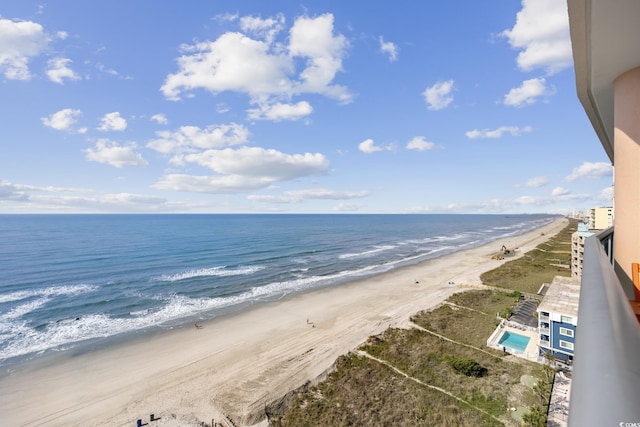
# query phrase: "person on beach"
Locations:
[[195, 323]]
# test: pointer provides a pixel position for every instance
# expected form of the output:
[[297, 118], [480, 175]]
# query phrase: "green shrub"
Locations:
[[468, 367]]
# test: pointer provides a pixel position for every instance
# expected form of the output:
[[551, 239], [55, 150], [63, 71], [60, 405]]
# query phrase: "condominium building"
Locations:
[[578, 239], [558, 318], [600, 218]]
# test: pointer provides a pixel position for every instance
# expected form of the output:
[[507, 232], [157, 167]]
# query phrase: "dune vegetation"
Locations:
[[440, 371]]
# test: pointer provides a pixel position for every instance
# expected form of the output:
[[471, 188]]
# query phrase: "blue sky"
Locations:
[[279, 106]]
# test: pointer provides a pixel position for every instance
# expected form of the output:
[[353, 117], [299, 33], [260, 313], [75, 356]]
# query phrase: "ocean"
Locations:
[[75, 280]]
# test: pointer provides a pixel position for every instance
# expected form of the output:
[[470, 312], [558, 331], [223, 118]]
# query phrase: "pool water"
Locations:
[[514, 341]]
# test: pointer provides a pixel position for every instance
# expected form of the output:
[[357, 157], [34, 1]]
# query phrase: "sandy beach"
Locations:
[[235, 365]]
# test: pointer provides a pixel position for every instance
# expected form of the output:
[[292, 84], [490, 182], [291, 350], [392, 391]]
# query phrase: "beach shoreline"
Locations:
[[237, 364]]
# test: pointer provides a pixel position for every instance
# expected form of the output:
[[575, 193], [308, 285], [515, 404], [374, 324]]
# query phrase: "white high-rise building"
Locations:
[[600, 218]]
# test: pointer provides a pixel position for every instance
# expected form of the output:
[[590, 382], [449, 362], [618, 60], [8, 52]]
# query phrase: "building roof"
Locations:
[[604, 37], [562, 296], [583, 230]]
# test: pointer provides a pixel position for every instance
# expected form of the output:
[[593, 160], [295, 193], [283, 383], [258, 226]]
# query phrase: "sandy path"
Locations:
[[236, 364]]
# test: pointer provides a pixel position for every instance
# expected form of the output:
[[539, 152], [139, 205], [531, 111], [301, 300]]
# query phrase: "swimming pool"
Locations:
[[514, 342]]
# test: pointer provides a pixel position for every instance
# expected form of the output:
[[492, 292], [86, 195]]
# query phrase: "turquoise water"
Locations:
[[514, 341]]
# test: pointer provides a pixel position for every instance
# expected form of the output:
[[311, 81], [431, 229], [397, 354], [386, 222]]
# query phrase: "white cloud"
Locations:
[[103, 69], [188, 139], [419, 143], [541, 33], [590, 170], [368, 146], [536, 182], [233, 62], [128, 199], [267, 198], [529, 200], [116, 202], [606, 196], [112, 121], [160, 119], [497, 133], [559, 191], [263, 69], [211, 184], [226, 17], [439, 95], [62, 120], [558, 194], [111, 153], [9, 191], [58, 70], [278, 112], [266, 29], [44, 198], [296, 196], [20, 41], [269, 164], [321, 193], [528, 93], [313, 39], [244, 169], [389, 48], [558, 200], [60, 199], [222, 108], [347, 207]]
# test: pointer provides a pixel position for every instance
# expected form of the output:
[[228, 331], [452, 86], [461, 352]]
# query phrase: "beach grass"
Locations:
[[540, 265], [363, 391], [375, 391], [471, 319]]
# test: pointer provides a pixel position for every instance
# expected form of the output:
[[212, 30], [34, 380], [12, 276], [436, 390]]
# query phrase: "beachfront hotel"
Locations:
[[605, 39]]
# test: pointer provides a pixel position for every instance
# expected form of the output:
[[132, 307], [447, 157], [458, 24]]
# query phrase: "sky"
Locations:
[[220, 106]]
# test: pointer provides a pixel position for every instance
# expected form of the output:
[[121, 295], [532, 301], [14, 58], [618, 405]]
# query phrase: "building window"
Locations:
[[566, 332], [566, 345], [566, 319]]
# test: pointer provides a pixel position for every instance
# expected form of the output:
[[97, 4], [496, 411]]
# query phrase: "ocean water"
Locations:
[[69, 280]]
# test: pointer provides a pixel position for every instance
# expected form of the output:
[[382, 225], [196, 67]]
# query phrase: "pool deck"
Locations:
[[561, 393], [529, 353]]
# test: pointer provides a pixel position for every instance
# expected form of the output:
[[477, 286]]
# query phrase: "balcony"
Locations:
[[544, 341], [606, 370]]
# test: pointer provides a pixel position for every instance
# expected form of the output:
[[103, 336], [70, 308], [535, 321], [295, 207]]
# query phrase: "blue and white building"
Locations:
[[558, 317]]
